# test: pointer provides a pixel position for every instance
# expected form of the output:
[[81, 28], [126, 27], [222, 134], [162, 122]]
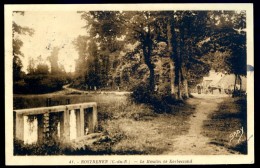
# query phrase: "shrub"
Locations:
[[238, 93], [57, 148], [159, 101], [39, 84], [142, 94], [45, 148], [20, 87]]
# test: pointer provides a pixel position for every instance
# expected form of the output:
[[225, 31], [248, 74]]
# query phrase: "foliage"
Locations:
[[141, 28], [41, 69], [50, 148], [172, 50], [53, 58], [17, 44], [39, 79], [81, 45], [54, 148], [161, 102], [97, 57], [40, 83], [228, 37]]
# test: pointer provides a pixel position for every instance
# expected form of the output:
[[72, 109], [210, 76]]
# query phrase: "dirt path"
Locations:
[[194, 142]]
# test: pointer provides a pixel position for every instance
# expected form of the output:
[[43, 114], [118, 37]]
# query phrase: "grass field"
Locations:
[[130, 128]]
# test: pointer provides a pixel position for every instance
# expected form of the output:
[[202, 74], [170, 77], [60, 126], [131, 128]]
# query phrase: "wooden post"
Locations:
[[19, 126]]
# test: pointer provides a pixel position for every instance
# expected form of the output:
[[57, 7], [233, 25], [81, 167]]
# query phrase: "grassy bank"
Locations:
[[222, 125], [129, 128], [31, 101]]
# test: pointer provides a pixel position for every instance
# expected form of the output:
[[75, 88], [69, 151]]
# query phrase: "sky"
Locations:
[[51, 29]]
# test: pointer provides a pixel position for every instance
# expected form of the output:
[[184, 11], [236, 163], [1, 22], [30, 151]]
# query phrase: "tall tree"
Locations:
[[42, 68], [193, 30], [141, 28], [105, 29], [18, 30], [93, 75], [31, 66], [53, 58], [171, 40], [81, 45], [229, 38]]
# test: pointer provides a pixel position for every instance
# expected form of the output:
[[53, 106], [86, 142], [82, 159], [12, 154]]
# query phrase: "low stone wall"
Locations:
[[55, 122]]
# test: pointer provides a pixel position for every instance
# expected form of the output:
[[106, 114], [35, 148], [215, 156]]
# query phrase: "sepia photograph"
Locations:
[[129, 84]]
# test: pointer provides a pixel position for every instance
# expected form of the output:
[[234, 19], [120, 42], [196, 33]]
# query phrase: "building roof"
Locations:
[[229, 80], [214, 77]]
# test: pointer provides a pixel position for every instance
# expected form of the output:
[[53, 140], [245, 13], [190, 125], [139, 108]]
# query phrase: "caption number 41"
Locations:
[[237, 134]]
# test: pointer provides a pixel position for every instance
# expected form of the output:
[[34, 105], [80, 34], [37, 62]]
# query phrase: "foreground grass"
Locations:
[[223, 123], [145, 132], [129, 128]]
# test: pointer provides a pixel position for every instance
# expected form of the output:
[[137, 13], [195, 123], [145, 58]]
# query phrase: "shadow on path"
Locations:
[[194, 143]]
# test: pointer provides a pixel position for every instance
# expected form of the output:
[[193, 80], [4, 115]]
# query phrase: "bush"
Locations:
[[20, 87], [238, 93], [45, 148], [57, 148], [39, 84], [141, 94], [159, 101]]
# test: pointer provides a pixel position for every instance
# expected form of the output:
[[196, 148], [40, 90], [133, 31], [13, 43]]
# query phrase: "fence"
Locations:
[[55, 122]]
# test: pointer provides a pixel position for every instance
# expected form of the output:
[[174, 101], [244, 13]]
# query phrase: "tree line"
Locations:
[[39, 78], [171, 50], [166, 52]]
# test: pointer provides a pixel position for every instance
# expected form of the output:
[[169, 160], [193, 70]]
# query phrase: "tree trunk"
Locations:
[[151, 80], [240, 81], [179, 86], [180, 62], [186, 88], [235, 82], [150, 64], [178, 75], [185, 47], [185, 81], [147, 60], [234, 91], [240, 87], [172, 76], [170, 36]]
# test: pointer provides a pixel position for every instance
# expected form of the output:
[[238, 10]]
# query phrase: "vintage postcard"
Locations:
[[129, 84]]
